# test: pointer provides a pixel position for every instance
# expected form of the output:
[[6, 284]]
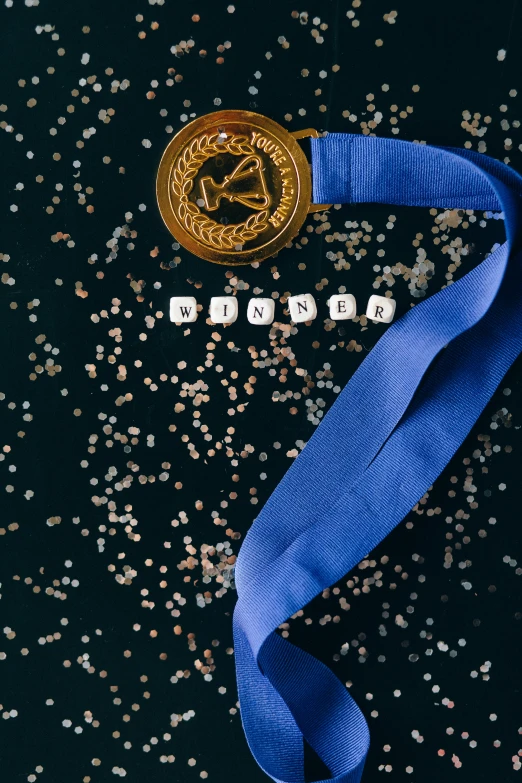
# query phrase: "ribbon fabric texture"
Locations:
[[367, 464]]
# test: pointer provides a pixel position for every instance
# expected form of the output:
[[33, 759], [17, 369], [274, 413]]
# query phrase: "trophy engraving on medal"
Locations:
[[246, 185]]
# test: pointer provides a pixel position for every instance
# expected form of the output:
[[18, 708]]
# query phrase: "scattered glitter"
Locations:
[[124, 512]]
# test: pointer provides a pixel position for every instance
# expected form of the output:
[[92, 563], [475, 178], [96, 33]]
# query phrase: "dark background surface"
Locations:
[[104, 624]]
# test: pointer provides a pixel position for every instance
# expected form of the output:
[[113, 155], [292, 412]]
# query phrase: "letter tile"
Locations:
[[223, 309], [261, 311], [183, 309], [302, 308], [342, 307], [380, 308]]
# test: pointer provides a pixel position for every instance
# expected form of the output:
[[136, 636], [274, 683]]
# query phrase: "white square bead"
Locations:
[[183, 309], [380, 308], [223, 309], [302, 308], [342, 307], [261, 311]]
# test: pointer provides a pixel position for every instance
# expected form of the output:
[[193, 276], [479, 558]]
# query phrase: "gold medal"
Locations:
[[234, 187]]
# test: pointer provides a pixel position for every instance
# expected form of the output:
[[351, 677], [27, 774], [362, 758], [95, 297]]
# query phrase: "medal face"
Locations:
[[234, 187]]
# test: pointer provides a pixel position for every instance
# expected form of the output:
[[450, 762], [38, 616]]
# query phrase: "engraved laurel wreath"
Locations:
[[208, 231]]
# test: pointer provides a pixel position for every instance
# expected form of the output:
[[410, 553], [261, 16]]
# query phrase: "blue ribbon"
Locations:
[[377, 451]]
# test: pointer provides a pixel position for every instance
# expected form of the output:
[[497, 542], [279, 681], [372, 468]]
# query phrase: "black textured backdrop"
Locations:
[[134, 455]]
